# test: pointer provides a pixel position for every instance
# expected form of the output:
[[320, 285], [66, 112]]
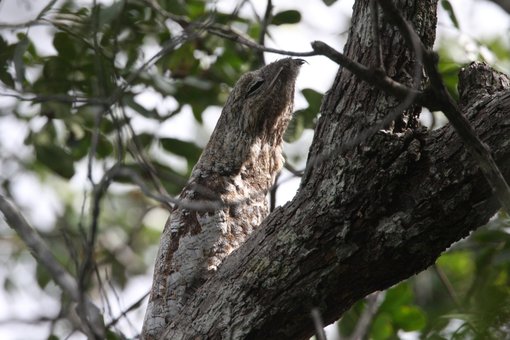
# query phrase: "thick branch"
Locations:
[[420, 194], [478, 150], [436, 97], [364, 218]]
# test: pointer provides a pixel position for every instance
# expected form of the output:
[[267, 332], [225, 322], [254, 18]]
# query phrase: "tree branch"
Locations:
[[363, 220], [360, 239], [91, 317], [478, 150]]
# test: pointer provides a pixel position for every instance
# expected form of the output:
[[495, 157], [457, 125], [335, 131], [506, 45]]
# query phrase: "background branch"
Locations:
[[91, 317]]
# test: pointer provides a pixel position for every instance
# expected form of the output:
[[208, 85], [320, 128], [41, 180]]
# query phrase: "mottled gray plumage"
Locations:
[[236, 169]]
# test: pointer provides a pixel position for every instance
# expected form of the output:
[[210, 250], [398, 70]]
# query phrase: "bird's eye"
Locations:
[[254, 86]]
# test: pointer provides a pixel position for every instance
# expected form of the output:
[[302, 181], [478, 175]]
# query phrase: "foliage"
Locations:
[[83, 114]]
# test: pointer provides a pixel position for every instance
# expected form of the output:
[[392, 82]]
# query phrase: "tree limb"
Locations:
[[364, 218], [328, 253], [90, 316], [479, 150]]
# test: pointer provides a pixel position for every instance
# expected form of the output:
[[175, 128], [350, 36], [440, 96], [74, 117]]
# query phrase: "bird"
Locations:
[[225, 198]]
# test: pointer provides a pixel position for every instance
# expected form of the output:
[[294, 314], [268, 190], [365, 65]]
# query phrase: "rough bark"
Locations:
[[364, 218]]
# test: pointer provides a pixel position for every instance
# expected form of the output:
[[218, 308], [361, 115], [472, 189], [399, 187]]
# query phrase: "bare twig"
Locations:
[[199, 205], [292, 170], [138, 155], [231, 34], [26, 24], [372, 76], [448, 285], [61, 98], [453, 295], [318, 323], [99, 191], [266, 20], [378, 78], [135, 305], [373, 302]]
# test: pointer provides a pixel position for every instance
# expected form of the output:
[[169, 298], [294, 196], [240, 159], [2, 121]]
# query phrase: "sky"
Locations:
[[478, 19]]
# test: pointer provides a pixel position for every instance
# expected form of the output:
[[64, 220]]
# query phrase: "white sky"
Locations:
[[478, 19]]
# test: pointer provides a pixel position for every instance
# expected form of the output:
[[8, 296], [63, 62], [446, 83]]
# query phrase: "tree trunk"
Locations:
[[365, 217]]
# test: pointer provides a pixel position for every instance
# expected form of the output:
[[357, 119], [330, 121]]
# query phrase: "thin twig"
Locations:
[[372, 76], [266, 20], [318, 323], [373, 302], [448, 285], [198, 205], [61, 98], [141, 159], [124, 313]]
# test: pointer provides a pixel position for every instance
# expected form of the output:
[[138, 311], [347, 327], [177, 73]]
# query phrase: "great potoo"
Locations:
[[227, 187]]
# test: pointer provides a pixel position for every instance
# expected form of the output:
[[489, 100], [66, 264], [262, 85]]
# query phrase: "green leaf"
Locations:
[[459, 266], [9, 285], [19, 64], [53, 109], [130, 101], [304, 119], [329, 2], [196, 8], [382, 327], [6, 78], [56, 159], [499, 47], [64, 45], [144, 139], [410, 318], [119, 272], [54, 79], [313, 98], [181, 148], [199, 93], [42, 276], [396, 297], [110, 13], [447, 6], [6, 56], [104, 147], [450, 72], [286, 17], [111, 335]]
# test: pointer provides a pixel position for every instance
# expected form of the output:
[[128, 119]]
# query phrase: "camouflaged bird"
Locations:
[[225, 197]]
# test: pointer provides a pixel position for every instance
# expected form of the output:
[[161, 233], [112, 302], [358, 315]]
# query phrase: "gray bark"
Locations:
[[366, 217]]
